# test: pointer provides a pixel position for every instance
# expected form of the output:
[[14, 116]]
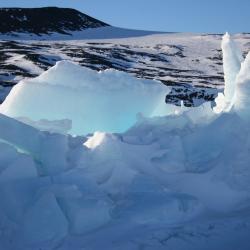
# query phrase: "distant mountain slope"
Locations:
[[40, 21]]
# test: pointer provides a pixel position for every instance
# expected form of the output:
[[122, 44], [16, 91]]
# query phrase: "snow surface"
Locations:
[[179, 182], [107, 32]]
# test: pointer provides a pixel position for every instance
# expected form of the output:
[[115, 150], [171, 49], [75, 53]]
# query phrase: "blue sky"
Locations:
[[162, 15]]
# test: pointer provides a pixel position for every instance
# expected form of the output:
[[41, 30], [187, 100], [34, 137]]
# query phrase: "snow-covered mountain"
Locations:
[[32, 40], [35, 39]]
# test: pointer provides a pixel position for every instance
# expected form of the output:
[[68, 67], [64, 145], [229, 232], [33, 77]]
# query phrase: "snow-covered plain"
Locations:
[[190, 63], [178, 182]]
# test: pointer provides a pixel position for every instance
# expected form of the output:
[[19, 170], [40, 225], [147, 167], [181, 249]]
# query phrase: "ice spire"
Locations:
[[232, 58], [242, 93]]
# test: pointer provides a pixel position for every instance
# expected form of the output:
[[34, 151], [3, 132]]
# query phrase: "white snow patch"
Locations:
[[21, 62], [95, 140]]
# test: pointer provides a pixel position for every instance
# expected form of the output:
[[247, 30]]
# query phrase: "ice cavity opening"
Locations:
[[82, 101]]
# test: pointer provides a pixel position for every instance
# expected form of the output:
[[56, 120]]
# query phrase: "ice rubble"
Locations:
[[106, 101], [164, 182]]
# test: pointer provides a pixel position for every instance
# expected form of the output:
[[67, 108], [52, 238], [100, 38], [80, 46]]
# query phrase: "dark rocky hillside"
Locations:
[[46, 20]]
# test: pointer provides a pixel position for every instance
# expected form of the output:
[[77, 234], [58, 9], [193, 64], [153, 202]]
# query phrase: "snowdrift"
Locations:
[[108, 32], [93, 101], [172, 182]]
